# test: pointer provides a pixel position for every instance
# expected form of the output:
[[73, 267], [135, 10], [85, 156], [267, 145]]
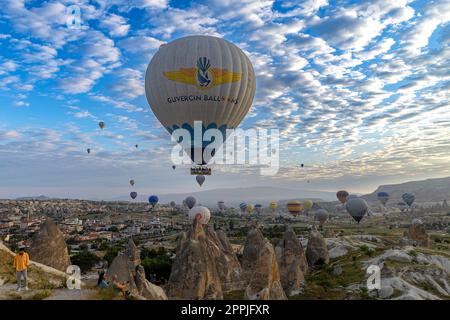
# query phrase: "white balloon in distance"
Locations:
[[200, 78], [201, 212]]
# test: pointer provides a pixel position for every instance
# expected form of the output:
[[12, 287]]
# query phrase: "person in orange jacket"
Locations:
[[21, 261]]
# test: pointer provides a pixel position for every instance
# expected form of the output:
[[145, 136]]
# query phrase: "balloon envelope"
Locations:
[[321, 215], [294, 207], [307, 204], [383, 197], [201, 213], [357, 208], [273, 205], [173, 204], [190, 202], [243, 206], [101, 124], [153, 200], [408, 198], [342, 196], [250, 208], [132, 182], [200, 180], [133, 195], [200, 78]]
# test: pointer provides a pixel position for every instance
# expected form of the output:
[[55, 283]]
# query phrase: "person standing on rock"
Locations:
[[21, 261]]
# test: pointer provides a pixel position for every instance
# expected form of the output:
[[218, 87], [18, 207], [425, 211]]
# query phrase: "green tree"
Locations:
[[85, 260]]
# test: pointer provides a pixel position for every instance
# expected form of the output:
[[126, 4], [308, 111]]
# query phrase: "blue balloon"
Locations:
[[153, 200], [243, 206]]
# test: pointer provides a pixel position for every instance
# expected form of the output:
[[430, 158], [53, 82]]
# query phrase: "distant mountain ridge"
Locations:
[[41, 197], [430, 190]]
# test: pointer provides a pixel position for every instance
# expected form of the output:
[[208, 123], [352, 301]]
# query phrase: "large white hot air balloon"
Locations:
[[201, 213], [200, 78]]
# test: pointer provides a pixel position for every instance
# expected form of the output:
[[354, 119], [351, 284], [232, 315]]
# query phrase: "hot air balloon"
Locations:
[[200, 78], [357, 208], [342, 196], [136, 146], [172, 204], [133, 195], [408, 198], [221, 205], [132, 182], [250, 208], [190, 202], [383, 197], [302, 165], [243, 207], [273, 205], [200, 180], [173, 167], [307, 205], [101, 124], [258, 208], [88, 150], [402, 206], [294, 207], [202, 214], [321, 215], [153, 200]]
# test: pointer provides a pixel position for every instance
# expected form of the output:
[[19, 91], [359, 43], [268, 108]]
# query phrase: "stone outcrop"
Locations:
[[417, 234], [194, 272], [260, 268], [316, 250], [265, 282], [127, 268], [49, 247], [292, 262]]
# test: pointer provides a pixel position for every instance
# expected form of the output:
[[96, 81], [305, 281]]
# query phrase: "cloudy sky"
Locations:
[[358, 89]]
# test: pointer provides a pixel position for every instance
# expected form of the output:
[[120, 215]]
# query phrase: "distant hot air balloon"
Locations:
[[294, 207], [402, 206], [342, 196], [136, 146], [357, 208], [101, 124], [250, 208], [200, 78], [302, 165], [190, 202], [133, 195], [202, 214], [383, 197], [153, 200], [408, 198], [273, 205], [132, 182], [321, 215], [200, 180], [173, 204], [173, 167], [307, 205], [88, 150], [258, 208], [221, 205], [243, 207]]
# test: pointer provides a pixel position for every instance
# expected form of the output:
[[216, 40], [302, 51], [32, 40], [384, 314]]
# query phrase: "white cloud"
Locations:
[[116, 25]]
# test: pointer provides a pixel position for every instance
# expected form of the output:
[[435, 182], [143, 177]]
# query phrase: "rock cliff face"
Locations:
[[49, 247], [194, 272], [316, 250], [127, 268], [292, 263], [417, 234], [260, 268]]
